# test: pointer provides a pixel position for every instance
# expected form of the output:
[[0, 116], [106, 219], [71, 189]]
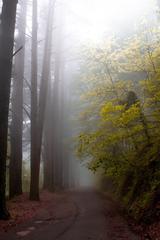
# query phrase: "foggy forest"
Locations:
[[80, 119]]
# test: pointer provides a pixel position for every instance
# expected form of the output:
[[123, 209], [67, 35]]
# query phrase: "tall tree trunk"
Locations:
[[15, 174], [57, 125], [58, 108], [34, 184], [53, 162], [8, 17], [42, 100], [48, 144]]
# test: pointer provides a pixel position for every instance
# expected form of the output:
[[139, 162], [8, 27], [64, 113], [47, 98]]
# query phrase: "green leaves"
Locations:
[[120, 112]]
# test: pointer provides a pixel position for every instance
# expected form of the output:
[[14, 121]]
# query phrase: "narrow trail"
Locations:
[[94, 218]]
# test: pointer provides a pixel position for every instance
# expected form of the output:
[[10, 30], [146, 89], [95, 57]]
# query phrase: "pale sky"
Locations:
[[91, 18]]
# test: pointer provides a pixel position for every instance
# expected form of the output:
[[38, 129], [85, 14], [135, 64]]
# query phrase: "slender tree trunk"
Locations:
[[8, 17], [34, 185], [48, 137], [58, 109], [42, 103], [57, 126], [45, 76], [63, 155], [15, 174]]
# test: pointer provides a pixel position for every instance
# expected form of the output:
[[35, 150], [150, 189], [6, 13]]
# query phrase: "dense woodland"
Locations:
[[99, 102], [31, 102]]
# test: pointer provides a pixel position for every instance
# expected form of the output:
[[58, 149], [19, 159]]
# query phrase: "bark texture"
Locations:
[[34, 185], [8, 17], [40, 113], [15, 183]]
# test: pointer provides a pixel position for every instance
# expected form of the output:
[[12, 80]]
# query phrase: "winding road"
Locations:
[[95, 218]]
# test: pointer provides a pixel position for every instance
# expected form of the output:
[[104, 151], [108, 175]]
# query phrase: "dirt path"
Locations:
[[91, 218]]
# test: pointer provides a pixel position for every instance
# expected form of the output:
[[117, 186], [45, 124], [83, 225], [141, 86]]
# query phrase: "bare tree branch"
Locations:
[[19, 49], [27, 112], [27, 83]]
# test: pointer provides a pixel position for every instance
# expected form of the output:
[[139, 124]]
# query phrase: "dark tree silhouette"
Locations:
[[6, 54], [34, 194], [34, 185], [15, 174]]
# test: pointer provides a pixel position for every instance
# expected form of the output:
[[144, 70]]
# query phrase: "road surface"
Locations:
[[94, 218]]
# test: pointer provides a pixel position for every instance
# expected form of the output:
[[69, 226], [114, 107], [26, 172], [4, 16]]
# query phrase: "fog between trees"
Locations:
[[78, 80]]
